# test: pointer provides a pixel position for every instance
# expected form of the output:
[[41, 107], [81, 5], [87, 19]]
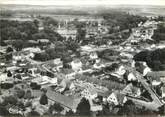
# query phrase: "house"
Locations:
[[12, 68], [160, 46], [66, 84], [2, 64], [98, 64], [33, 71], [76, 65], [156, 75], [43, 41], [124, 54], [57, 61], [32, 49], [40, 28], [67, 32], [49, 80], [132, 90], [89, 93], [72, 86], [146, 70], [87, 48], [17, 57], [163, 91], [140, 66], [109, 42], [26, 77], [2, 51], [45, 81], [133, 64], [3, 77], [156, 83], [93, 55], [95, 107], [131, 77], [117, 98], [57, 64], [31, 55], [120, 72], [33, 41]]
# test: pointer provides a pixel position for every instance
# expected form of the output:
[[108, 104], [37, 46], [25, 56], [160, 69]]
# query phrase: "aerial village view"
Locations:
[[87, 61]]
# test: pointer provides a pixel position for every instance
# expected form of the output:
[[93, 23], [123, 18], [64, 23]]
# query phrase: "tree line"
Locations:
[[118, 21], [154, 59], [159, 33]]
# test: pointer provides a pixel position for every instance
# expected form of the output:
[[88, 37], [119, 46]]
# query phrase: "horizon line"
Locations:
[[85, 4]]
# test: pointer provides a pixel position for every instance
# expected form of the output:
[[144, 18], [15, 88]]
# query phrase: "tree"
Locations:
[[8, 57], [154, 59], [106, 110], [156, 65], [60, 46], [41, 56], [80, 35], [52, 53], [159, 33], [29, 28], [48, 21], [36, 22], [18, 76], [83, 107], [58, 107], [28, 94], [18, 44], [70, 113], [6, 13], [10, 100], [72, 45], [43, 98], [160, 18], [2, 43], [162, 110], [121, 21], [4, 111], [129, 108], [33, 113], [9, 74], [141, 56], [9, 49], [20, 93], [11, 30]]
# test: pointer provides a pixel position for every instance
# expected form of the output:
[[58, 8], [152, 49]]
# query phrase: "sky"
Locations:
[[84, 2]]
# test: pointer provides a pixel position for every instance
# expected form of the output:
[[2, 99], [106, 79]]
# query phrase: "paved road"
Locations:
[[130, 37], [156, 103], [147, 87]]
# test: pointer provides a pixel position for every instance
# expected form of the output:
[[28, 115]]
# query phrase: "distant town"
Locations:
[[83, 63]]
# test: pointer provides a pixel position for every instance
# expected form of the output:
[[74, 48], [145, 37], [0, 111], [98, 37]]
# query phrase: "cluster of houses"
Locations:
[[144, 32], [141, 85], [93, 26]]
